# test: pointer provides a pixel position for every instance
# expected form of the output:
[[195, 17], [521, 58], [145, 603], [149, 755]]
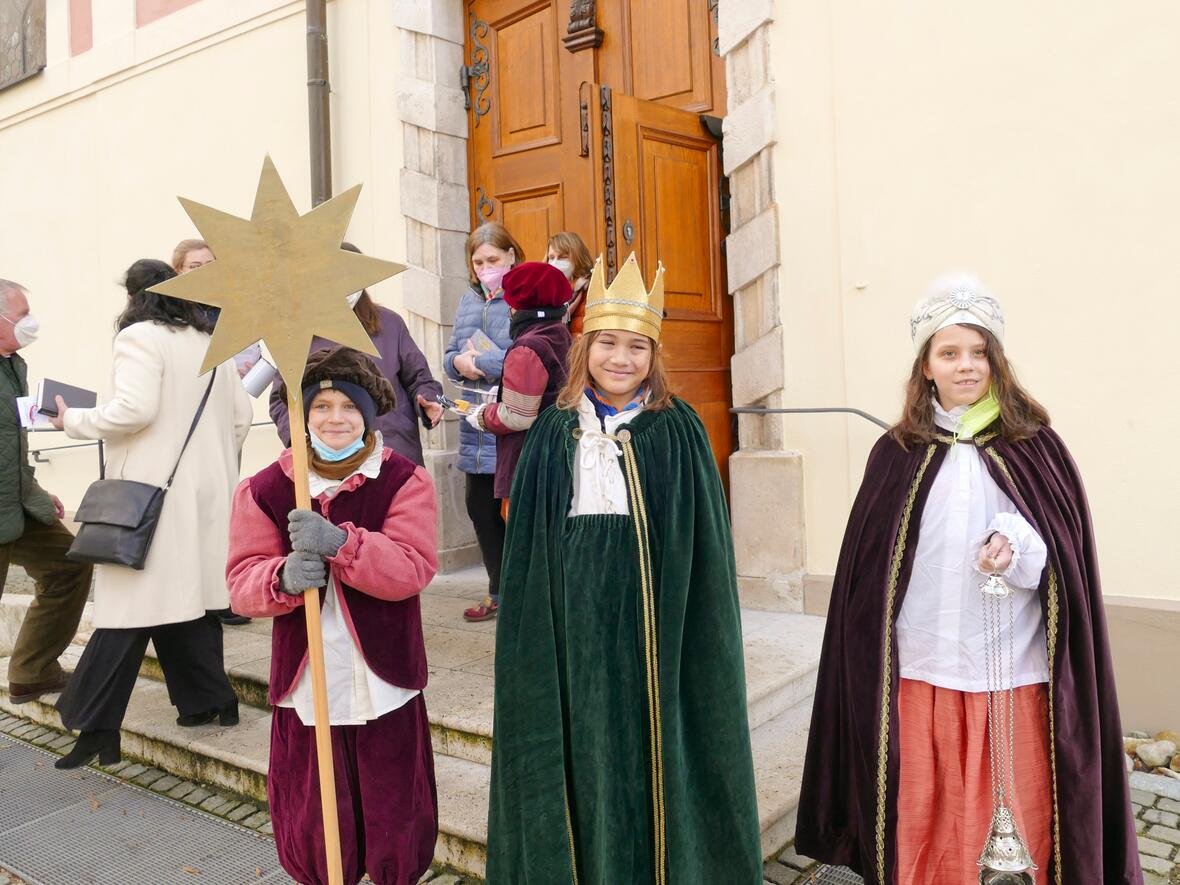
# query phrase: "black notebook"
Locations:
[[75, 397]]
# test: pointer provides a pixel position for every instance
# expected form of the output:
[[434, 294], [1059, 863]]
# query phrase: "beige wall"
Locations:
[[1036, 148], [94, 152]]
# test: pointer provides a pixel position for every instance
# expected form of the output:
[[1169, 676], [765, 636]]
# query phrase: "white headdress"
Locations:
[[953, 299]]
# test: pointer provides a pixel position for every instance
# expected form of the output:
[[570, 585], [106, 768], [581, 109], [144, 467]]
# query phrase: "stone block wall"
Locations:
[[766, 478], [435, 203]]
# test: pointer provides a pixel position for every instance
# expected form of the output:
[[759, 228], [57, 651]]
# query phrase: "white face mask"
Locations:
[[354, 298], [25, 330], [565, 266]]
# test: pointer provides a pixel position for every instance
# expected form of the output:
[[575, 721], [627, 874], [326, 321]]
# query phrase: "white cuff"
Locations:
[[1029, 553]]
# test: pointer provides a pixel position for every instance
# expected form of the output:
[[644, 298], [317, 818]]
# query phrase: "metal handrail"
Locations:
[[756, 410], [36, 453]]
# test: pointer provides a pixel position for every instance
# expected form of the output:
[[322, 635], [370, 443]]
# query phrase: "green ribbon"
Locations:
[[979, 416]]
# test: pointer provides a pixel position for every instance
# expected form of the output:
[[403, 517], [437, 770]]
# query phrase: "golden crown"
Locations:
[[626, 303]]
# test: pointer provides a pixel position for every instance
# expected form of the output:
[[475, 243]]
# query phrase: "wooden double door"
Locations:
[[590, 119]]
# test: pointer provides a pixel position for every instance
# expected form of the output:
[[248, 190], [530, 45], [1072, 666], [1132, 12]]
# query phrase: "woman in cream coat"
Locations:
[[158, 353]]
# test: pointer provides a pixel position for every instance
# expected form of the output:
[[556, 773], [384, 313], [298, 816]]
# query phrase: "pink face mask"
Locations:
[[492, 276]]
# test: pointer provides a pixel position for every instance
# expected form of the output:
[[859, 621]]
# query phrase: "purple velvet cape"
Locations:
[[848, 807], [389, 632]]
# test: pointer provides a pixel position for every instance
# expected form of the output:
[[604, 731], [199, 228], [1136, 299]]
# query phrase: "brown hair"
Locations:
[[1021, 416], [366, 308], [578, 363], [183, 248], [569, 245], [495, 233]]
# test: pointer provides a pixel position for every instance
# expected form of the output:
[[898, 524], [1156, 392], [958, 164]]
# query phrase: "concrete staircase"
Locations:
[[782, 652]]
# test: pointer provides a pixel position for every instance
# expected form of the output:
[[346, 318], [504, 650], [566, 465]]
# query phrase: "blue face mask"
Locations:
[[327, 453]]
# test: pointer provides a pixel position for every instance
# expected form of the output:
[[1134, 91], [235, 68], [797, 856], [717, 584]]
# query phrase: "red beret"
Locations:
[[535, 285]]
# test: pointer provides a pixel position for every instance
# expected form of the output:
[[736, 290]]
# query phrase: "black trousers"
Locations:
[[484, 509], [191, 655]]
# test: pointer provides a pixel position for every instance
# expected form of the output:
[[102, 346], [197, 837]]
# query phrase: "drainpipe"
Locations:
[[319, 122]]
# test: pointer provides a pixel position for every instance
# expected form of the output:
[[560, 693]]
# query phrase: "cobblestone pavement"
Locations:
[[234, 809], [1156, 802]]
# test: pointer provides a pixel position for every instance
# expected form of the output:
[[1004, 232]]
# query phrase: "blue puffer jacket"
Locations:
[[477, 450]]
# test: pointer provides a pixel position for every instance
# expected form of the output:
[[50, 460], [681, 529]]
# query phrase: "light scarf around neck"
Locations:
[[982, 414]]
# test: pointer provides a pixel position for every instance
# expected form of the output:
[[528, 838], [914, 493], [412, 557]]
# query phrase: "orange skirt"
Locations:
[[944, 796]]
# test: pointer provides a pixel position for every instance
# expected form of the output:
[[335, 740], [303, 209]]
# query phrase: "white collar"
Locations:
[[588, 416], [948, 420], [370, 468]]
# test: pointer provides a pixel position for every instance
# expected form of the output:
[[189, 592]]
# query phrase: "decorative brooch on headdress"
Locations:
[[951, 300]]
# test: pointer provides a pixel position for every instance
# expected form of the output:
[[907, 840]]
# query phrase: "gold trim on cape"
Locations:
[[652, 660], [569, 829], [903, 531]]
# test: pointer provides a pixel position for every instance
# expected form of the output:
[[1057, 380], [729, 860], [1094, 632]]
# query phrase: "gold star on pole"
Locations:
[[280, 277]]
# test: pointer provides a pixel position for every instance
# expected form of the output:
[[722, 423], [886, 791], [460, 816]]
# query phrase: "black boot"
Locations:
[[227, 715], [103, 743]]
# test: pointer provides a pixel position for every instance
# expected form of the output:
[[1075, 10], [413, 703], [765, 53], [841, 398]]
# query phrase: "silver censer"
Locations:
[[1005, 860]]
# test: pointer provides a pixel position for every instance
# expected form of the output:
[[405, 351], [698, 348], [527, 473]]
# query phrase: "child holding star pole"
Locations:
[[965, 725], [621, 751], [277, 279], [369, 538]]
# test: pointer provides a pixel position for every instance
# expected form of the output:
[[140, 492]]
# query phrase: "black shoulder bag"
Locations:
[[118, 516]]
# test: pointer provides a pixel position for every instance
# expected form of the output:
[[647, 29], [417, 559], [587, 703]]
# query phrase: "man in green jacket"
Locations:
[[31, 531]]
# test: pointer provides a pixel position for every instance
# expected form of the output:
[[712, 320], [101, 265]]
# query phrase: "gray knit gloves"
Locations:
[[312, 538], [303, 571], [311, 533]]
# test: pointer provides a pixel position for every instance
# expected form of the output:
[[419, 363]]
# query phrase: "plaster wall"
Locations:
[[1036, 148], [95, 151]]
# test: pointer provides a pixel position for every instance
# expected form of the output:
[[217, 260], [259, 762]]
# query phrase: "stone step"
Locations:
[[781, 659], [235, 760]]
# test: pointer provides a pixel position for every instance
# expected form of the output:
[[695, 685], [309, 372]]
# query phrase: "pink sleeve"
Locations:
[[255, 561], [400, 560]]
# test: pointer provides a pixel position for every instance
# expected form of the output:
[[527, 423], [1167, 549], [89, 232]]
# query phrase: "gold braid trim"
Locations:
[[1052, 605], [569, 828], [651, 655], [887, 667]]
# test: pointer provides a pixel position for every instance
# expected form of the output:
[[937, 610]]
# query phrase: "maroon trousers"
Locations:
[[385, 795]]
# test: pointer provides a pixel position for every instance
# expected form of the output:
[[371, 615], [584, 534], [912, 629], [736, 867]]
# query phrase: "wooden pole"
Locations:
[[315, 652]]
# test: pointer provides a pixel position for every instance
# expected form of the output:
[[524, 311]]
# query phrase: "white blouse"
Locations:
[[356, 694], [599, 486], [940, 628]]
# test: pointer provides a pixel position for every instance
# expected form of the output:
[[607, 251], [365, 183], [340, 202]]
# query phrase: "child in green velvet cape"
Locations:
[[621, 747]]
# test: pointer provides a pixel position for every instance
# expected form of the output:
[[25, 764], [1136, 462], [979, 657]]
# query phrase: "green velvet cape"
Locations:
[[591, 781]]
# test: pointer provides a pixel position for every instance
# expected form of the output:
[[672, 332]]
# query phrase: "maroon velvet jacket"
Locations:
[[848, 804], [534, 373], [380, 625]]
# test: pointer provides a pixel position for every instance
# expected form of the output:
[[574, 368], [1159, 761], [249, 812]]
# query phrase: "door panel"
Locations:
[[527, 80], [532, 216], [679, 172], [661, 173], [524, 135], [662, 51]]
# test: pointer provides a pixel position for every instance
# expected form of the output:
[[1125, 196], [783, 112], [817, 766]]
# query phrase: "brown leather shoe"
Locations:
[[19, 693]]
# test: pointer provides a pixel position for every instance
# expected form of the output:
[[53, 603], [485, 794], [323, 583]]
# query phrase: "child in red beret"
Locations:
[[534, 366]]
